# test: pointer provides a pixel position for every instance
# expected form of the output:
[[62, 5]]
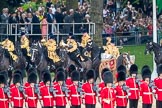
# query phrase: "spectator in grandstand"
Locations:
[[4, 20]]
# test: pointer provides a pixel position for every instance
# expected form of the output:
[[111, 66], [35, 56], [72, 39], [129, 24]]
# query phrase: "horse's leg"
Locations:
[[9, 76]]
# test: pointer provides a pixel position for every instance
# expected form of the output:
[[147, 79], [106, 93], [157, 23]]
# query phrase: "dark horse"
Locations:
[[39, 59], [95, 53], [65, 58], [5, 63], [157, 49], [124, 59]]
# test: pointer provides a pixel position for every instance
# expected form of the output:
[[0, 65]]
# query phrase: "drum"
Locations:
[[105, 56]]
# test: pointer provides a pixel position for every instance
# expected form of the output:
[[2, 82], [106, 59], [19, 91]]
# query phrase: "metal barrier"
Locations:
[[61, 30]]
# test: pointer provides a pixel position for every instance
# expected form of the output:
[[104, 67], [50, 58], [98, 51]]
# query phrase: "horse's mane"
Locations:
[[156, 45]]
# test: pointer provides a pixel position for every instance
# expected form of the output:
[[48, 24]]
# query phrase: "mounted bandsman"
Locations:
[[9, 46], [25, 44], [85, 39], [51, 48], [73, 50]]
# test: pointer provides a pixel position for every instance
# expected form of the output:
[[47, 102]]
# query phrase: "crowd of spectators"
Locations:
[[47, 18], [118, 20], [128, 20]]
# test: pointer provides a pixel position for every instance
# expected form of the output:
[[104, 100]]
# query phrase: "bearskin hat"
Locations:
[[133, 69], [146, 73], [108, 77], [5, 74], [19, 72], [159, 69], [32, 78], [145, 66], [2, 79], [60, 69], [90, 74], [46, 77], [121, 76], [17, 78], [121, 68], [75, 76], [60, 76], [103, 71]]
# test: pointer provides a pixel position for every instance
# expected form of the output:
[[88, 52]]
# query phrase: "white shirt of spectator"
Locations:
[[53, 9], [105, 11]]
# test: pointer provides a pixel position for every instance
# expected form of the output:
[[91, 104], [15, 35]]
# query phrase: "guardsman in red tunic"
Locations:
[[30, 70], [47, 96], [70, 70], [158, 84], [60, 88], [145, 89], [120, 68], [89, 93], [108, 93], [102, 84], [133, 83], [17, 96], [4, 99], [32, 97], [121, 91], [20, 73], [74, 92]]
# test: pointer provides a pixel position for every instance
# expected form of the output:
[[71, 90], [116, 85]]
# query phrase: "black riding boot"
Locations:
[[78, 63]]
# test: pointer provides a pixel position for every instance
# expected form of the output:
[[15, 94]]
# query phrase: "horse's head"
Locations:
[[149, 47], [89, 45], [35, 52]]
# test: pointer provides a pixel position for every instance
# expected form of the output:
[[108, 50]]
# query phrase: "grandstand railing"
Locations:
[[34, 29], [60, 30]]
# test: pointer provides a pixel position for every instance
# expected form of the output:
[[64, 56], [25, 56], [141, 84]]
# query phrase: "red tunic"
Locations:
[[47, 97], [158, 84], [90, 95], [60, 96], [31, 97], [121, 97], [26, 85], [41, 84], [74, 96], [69, 81], [3, 99], [134, 88], [17, 97], [146, 93], [101, 85], [108, 93]]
